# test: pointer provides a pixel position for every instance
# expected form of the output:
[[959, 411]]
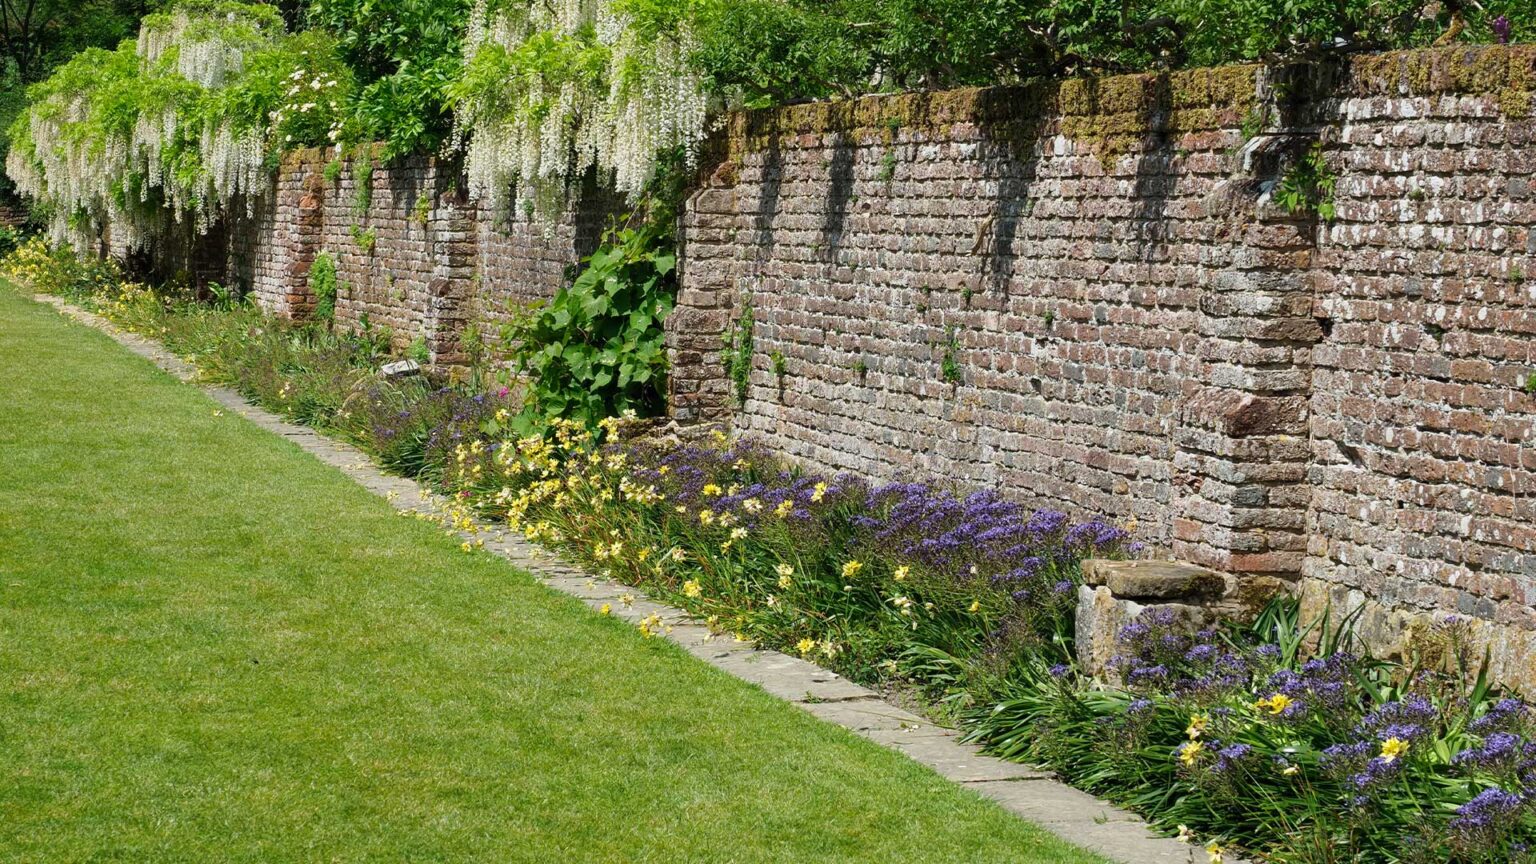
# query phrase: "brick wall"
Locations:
[[1423, 467], [1084, 293], [413, 253], [12, 215]]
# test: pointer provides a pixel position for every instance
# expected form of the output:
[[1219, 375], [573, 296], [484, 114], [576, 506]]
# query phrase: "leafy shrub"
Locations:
[[763, 52], [10, 238], [60, 271], [597, 349], [403, 54]]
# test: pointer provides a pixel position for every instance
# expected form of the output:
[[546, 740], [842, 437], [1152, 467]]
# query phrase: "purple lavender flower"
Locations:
[[1499, 751], [1147, 674], [1341, 759], [1201, 654], [1325, 684], [1483, 821], [1503, 715], [1229, 757], [1408, 720], [1501, 29], [1376, 773]]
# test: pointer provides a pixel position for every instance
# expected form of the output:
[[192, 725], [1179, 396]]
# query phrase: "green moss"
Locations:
[[1515, 104], [1503, 71]]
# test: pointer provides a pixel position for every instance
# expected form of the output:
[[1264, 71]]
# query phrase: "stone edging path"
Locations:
[[1027, 792]]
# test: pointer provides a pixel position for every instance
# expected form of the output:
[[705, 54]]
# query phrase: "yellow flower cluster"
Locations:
[[470, 472], [806, 646], [1275, 704], [651, 625]]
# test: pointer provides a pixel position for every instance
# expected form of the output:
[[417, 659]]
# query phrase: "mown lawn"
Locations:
[[214, 648]]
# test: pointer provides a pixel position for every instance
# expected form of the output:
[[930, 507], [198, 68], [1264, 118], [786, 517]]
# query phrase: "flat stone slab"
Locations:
[[1026, 791], [1153, 580], [874, 715], [400, 369]]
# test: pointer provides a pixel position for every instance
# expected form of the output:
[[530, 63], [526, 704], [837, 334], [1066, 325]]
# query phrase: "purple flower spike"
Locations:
[[1501, 29]]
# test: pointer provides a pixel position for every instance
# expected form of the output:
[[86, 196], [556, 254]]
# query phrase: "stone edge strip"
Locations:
[[1030, 793]]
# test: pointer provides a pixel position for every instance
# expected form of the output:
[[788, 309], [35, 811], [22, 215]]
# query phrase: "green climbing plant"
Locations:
[[1307, 186], [736, 355], [323, 284]]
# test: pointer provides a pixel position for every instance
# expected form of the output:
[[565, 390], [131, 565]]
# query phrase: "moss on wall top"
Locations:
[[1112, 113], [1114, 110]]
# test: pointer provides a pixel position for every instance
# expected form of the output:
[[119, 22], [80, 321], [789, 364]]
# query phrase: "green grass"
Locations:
[[214, 648]]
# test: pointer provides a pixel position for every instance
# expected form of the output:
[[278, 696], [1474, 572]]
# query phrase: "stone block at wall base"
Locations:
[[1115, 593], [1426, 638]]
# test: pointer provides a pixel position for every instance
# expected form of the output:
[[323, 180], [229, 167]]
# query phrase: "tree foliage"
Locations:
[[162, 135], [404, 54]]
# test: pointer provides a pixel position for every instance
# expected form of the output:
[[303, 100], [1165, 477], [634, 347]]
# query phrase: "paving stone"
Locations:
[[962, 763], [1077, 816], [874, 715]]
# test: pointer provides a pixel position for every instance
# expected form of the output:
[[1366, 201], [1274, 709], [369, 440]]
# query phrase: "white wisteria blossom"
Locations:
[[157, 141], [553, 91]]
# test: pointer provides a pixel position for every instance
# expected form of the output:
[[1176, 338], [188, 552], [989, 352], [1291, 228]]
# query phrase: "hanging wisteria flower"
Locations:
[[176, 128], [551, 92]]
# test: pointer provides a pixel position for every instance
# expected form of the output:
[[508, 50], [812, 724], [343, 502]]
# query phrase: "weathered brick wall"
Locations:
[[1022, 288], [12, 215], [413, 253], [1423, 466], [522, 260], [1083, 293]]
